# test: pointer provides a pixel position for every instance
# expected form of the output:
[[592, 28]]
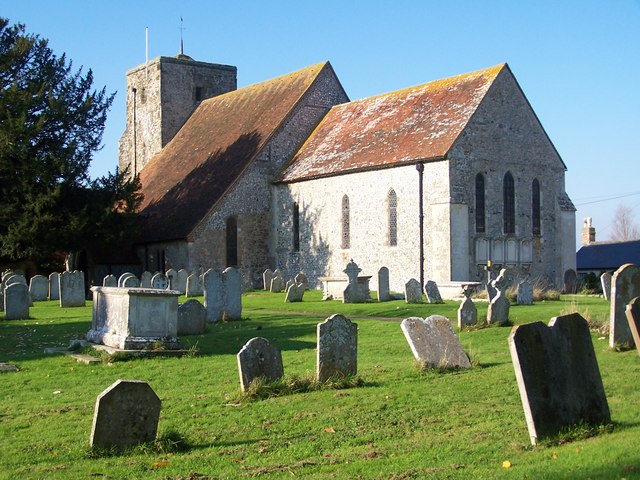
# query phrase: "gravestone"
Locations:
[[383, 285], [288, 284], [160, 281], [432, 292], [570, 282], [277, 284], [295, 293], [110, 281], [181, 281], [13, 279], [633, 317], [625, 285], [145, 279], [259, 358], [123, 277], [39, 288], [131, 282], [557, 375], [194, 285], [192, 318], [267, 277], [525, 293], [54, 286], [337, 348], [278, 273], [491, 291], [16, 301], [213, 295], [605, 282], [498, 311], [467, 313], [354, 292], [434, 343], [412, 291], [232, 294], [302, 278], [126, 414], [172, 276], [72, 292]]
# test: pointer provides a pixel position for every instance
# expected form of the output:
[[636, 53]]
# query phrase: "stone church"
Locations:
[[433, 181]]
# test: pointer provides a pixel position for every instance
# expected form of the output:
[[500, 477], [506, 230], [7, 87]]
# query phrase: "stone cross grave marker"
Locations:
[[295, 293], [72, 292], [126, 414], [16, 302], [160, 281], [383, 285], [412, 291], [54, 286], [337, 348], [633, 317], [467, 313], [525, 293], [110, 281], [267, 277], [39, 288], [625, 285], [192, 318], [353, 293], [259, 358], [498, 311], [434, 343], [605, 282], [557, 375], [432, 292]]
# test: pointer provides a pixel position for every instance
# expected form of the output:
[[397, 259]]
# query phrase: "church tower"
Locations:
[[161, 94]]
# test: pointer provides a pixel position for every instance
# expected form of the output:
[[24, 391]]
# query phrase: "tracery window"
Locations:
[[508, 204], [232, 242], [480, 215], [346, 240], [296, 227], [393, 218], [535, 207]]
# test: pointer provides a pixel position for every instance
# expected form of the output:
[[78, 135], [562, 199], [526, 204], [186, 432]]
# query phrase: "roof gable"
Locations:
[[415, 124], [206, 157]]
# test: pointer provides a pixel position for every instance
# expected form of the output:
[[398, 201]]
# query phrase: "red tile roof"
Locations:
[[218, 141], [417, 123]]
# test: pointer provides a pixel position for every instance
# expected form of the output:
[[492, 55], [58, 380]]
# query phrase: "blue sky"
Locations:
[[578, 62]]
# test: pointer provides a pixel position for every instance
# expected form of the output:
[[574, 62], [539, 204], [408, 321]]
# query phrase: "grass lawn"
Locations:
[[401, 424]]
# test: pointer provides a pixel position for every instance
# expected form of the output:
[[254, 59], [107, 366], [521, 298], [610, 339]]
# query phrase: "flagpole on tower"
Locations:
[[181, 41]]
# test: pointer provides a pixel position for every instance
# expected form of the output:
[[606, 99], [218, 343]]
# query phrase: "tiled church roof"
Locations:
[[218, 141], [417, 123]]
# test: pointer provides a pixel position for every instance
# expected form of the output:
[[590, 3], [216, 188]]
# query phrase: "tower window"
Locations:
[[199, 94], [535, 207], [508, 204], [480, 220], [393, 218], [346, 240], [232, 242]]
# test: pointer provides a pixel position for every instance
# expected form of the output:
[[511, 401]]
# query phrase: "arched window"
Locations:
[[480, 221], [508, 204], [393, 218], [535, 207], [232, 242], [345, 222], [296, 227]]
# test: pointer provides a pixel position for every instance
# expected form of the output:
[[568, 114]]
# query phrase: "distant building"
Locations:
[[599, 257]]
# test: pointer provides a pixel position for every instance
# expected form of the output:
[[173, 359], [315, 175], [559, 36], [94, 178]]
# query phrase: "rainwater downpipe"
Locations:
[[420, 168], [135, 149]]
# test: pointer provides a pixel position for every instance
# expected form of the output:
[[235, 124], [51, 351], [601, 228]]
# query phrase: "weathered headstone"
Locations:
[[302, 278], [432, 292], [213, 295], [126, 414], [277, 284], [434, 343], [192, 318], [570, 281], [467, 313], [412, 291], [39, 288], [232, 294], [295, 293], [259, 358], [110, 281], [131, 282], [383, 285], [72, 292], [267, 277], [491, 291], [525, 293], [498, 311], [278, 273], [288, 284], [145, 279], [605, 282], [54, 286], [558, 376], [633, 317], [181, 281], [160, 281], [123, 277], [16, 301], [337, 348], [625, 285], [194, 285]]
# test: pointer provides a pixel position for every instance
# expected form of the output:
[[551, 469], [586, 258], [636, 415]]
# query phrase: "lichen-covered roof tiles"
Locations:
[[415, 124], [188, 177]]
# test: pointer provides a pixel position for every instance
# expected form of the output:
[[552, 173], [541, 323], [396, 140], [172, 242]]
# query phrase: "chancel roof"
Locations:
[[415, 124], [218, 141]]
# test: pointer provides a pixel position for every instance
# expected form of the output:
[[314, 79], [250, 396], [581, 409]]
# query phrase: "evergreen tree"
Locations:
[[51, 123]]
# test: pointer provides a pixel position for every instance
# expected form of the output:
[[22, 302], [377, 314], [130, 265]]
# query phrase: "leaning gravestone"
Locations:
[[16, 302], [72, 292], [288, 284], [605, 281], [277, 284], [110, 281], [498, 311], [213, 295], [412, 291], [337, 348], [192, 318], [525, 293], [570, 283], [302, 278], [633, 317], [160, 281], [383, 285], [432, 292], [434, 343], [625, 285], [557, 374], [259, 359], [54, 286], [39, 288], [295, 293], [194, 285], [126, 414], [467, 313], [267, 277], [232, 294]]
